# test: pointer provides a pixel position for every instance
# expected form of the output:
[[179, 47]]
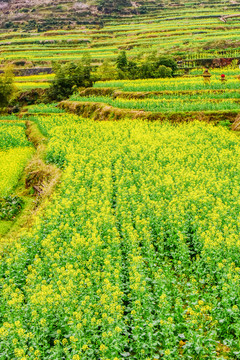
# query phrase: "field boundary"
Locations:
[[36, 185], [117, 93], [100, 111]]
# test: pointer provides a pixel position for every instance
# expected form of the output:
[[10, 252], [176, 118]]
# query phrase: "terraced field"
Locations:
[[15, 152], [185, 83], [181, 94], [128, 246], [192, 28]]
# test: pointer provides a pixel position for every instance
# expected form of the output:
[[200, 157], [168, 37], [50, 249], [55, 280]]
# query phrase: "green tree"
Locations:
[[69, 77], [167, 61], [163, 72], [122, 61], [132, 69], [106, 71], [154, 66], [87, 66], [7, 88]]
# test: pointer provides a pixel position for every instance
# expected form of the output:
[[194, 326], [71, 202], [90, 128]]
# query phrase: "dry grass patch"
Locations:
[[236, 124]]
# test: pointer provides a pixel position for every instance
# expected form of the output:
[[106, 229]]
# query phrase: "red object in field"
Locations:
[[222, 76]]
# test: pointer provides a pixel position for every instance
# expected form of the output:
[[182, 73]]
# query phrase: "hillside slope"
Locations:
[[28, 15], [34, 34], [47, 14]]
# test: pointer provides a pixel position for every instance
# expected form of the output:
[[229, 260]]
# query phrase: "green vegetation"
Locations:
[[31, 85], [7, 88], [10, 207], [12, 135], [119, 239], [5, 226], [168, 95], [15, 152], [175, 84], [151, 66], [141, 233], [44, 108], [190, 31], [69, 77]]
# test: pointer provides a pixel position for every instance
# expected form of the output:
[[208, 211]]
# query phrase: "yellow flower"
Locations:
[[103, 348], [118, 329], [64, 341], [76, 357], [167, 352], [85, 347]]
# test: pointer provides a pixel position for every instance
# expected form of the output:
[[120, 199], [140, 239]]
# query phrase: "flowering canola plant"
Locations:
[[167, 104], [136, 256], [170, 94], [12, 163], [31, 84], [12, 135], [172, 84], [15, 151]]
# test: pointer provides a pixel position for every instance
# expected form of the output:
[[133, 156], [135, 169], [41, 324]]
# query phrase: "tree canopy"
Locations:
[[69, 77], [7, 88]]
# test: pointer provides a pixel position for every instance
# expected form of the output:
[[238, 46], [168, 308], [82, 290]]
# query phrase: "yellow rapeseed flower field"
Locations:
[[15, 151], [136, 255], [12, 163]]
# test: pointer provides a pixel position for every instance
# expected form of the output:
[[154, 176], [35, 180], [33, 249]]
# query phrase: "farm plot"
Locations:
[[174, 84], [137, 254], [15, 151], [187, 32], [34, 81], [167, 103], [182, 94]]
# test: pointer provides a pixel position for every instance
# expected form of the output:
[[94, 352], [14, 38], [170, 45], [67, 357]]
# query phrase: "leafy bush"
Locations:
[[32, 96], [167, 61], [69, 77], [107, 71], [150, 66], [7, 88], [164, 71], [10, 207]]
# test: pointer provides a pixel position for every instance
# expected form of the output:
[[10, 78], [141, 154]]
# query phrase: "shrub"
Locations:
[[164, 71], [10, 207], [106, 71], [167, 61], [69, 77], [148, 66], [7, 88]]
